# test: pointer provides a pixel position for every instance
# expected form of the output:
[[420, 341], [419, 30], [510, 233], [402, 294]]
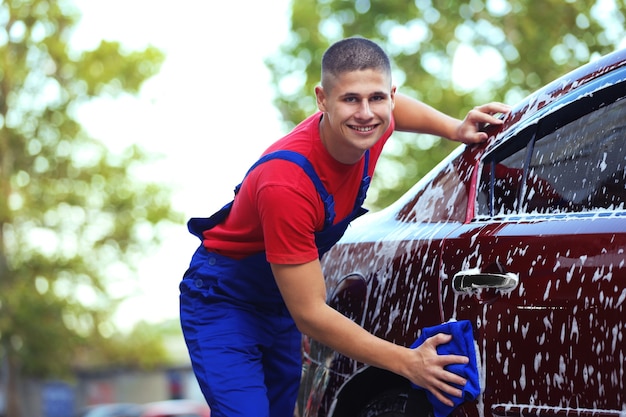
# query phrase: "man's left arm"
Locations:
[[412, 115]]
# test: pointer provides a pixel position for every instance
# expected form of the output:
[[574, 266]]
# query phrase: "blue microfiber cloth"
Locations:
[[462, 343]]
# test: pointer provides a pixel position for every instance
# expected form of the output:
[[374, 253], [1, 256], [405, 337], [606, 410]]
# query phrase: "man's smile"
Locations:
[[363, 128]]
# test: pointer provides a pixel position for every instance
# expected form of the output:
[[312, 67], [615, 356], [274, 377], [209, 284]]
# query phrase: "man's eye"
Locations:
[[377, 98], [350, 99]]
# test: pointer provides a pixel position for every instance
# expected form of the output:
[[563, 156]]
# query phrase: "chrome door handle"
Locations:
[[468, 281]]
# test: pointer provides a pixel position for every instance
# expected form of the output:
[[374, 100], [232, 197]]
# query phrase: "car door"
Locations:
[[541, 269]]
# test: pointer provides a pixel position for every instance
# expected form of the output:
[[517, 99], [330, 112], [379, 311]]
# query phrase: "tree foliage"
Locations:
[[73, 217], [142, 348], [451, 54]]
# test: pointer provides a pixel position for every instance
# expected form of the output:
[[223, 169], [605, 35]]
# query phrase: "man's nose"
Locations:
[[365, 112]]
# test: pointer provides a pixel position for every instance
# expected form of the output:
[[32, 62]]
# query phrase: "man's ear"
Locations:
[[393, 97], [320, 97]]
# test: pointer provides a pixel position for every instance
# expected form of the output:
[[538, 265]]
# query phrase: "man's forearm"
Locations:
[[415, 116]]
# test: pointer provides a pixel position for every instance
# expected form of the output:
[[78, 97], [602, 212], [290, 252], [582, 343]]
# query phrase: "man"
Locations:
[[256, 282]]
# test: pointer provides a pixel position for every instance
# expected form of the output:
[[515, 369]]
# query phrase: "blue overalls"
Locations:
[[244, 345]]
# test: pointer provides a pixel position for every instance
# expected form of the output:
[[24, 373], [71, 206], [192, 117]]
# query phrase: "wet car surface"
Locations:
[[525, 236]]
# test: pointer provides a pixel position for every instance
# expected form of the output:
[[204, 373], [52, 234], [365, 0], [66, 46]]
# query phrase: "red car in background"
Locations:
[[525, 236], [165, 408], [176, 408]]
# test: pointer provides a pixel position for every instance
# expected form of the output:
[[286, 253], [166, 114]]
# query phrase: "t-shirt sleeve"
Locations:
[[288, 218]]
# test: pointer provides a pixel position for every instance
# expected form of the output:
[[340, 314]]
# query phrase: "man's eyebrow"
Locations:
[[374, 93]]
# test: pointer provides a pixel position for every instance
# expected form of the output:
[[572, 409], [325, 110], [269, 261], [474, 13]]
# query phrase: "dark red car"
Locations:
[[525, 236]]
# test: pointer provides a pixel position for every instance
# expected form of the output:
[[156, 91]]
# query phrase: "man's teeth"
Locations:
[[363, 128]]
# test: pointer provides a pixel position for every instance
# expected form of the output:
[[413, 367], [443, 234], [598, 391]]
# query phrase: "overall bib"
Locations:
[[244, 345]]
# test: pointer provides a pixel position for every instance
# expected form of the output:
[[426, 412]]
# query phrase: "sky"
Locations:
[[208, 113]]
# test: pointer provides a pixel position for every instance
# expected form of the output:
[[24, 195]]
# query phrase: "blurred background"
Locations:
[[121, 119]]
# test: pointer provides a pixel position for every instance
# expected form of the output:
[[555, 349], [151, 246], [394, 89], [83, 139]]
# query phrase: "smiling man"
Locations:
[[256, 280]]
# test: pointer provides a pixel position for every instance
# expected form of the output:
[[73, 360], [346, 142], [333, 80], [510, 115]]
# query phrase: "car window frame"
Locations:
[[601, 92]]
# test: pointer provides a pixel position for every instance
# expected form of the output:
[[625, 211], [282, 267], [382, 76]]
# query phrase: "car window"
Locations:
[[580, 167], [444, 195], [501, 179], [576, 168]]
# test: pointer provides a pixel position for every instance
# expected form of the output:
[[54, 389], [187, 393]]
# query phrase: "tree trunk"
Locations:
[[13, 405]]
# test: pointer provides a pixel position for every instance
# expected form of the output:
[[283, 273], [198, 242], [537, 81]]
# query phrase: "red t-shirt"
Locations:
[[278, 209]]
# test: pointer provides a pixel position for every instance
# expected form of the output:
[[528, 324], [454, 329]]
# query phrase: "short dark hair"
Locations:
[[354, 54]]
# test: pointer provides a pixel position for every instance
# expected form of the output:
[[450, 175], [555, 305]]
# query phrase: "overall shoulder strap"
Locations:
[[365, 183], [302, 162]]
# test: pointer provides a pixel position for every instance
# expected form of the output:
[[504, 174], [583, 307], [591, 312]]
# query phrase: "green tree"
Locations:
[[519, 44], [144, 347], [73, 218]]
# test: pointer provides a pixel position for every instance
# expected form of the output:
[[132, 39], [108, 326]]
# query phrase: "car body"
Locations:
[[525, 237]]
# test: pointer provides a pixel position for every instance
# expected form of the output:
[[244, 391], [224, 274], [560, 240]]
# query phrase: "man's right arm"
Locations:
[[304, 291]]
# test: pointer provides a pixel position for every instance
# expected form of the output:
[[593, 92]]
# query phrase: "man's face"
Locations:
[[357, 110]]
